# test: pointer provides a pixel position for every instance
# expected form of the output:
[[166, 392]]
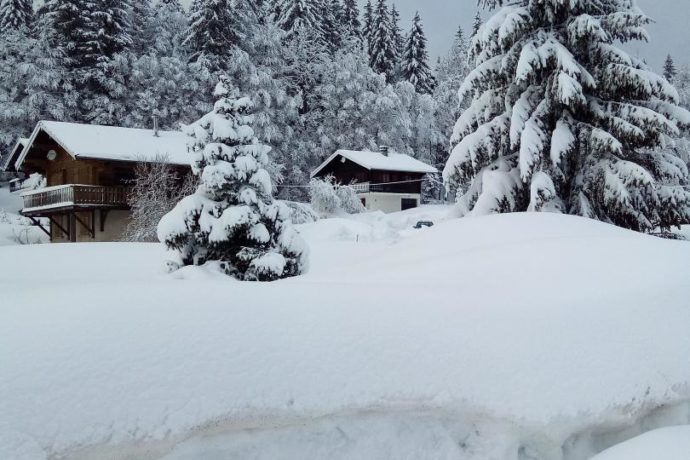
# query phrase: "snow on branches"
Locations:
[[563, 120], [232, 218]]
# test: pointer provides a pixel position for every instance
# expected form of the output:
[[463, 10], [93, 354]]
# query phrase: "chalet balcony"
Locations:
[[407, 187], [73, 197]]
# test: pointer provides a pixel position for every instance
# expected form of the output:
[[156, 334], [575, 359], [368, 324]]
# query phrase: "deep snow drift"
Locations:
[[503, 337], [664, 444], [15, 229]]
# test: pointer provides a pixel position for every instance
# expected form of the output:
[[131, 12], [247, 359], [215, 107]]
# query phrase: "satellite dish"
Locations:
[[52, 155]]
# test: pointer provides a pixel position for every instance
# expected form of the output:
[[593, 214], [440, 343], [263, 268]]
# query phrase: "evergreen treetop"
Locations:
[[563, 120]]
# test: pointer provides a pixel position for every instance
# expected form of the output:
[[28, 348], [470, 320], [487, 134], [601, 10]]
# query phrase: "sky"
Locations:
[[669, 34]]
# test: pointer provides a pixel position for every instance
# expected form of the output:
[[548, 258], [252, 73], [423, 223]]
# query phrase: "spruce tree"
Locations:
[[144, 31], [415, 66], [232, 219], [477, 24], [212, 32], [170, 23], [669, 69], [398, 38], [300, 16], [563, 120], [332, 24], [15, 14], [66, 24], [350, 20], [368, 26], [383, 55]]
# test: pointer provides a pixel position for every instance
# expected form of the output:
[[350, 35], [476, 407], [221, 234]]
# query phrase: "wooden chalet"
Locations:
[[384, 181], [88, 170]]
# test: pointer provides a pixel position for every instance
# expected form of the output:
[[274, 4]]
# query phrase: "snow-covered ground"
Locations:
[[526, 336], [671, 443]]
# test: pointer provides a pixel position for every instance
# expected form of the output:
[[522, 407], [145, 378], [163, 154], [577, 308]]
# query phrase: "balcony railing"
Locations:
[[413, 186], [75, 196]]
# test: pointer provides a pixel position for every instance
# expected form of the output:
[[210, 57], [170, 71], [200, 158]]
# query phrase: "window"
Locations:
[[408, 203], [364, 202]]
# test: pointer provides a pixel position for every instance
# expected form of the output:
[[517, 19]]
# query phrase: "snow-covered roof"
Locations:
[[380, 162], [112, 142], [12, 154]]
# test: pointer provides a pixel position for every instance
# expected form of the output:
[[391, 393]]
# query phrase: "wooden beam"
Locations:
[[37, 223], [104, 216], [91, 230], [60, 227]]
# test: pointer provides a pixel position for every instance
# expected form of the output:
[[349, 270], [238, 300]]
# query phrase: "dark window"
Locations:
[[364, 202], [408, 203]]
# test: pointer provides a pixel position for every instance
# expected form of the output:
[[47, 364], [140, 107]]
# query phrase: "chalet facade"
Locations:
[[384, 181], [88, 169]]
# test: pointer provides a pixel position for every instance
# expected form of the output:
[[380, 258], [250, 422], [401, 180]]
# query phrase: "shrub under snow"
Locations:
[[328, 198], [232, 218]]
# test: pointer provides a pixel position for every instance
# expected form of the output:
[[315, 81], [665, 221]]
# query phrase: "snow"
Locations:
[[478, 338], [671, 443], [114, 143], [380, 162], [15, 229]]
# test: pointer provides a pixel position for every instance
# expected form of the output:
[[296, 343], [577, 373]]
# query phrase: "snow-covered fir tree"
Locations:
[[477, 23], [143, 29], [170, 24], [383, 53], [450, 73], [669, 69], [414, 64], [16, 14], [298, 16], [108, 29], [65, 23], [332, 24], [396, 30], [352, 27], [368, 25], [563, 120], [232, 219], [212, 32]]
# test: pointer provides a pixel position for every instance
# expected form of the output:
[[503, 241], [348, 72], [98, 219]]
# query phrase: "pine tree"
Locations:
[[350, 20], [398, 38], [562, 120], [477, 23], [144, 31], [66, 25], [232, 219], [16, 14], [383, 56], [299, 16], [669, 69], [451, 72], [212, 32], [170, 23], [108, 29], [415, 67], [332, 24], [368, 26]]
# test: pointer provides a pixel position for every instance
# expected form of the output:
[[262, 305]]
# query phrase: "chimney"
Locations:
[[155, 126], [384, 150]]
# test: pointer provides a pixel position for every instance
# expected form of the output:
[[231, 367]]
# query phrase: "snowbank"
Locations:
[[15, 229], [503, 337], [665, 444]]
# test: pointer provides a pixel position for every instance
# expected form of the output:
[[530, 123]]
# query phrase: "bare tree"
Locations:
[[156, 189]]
